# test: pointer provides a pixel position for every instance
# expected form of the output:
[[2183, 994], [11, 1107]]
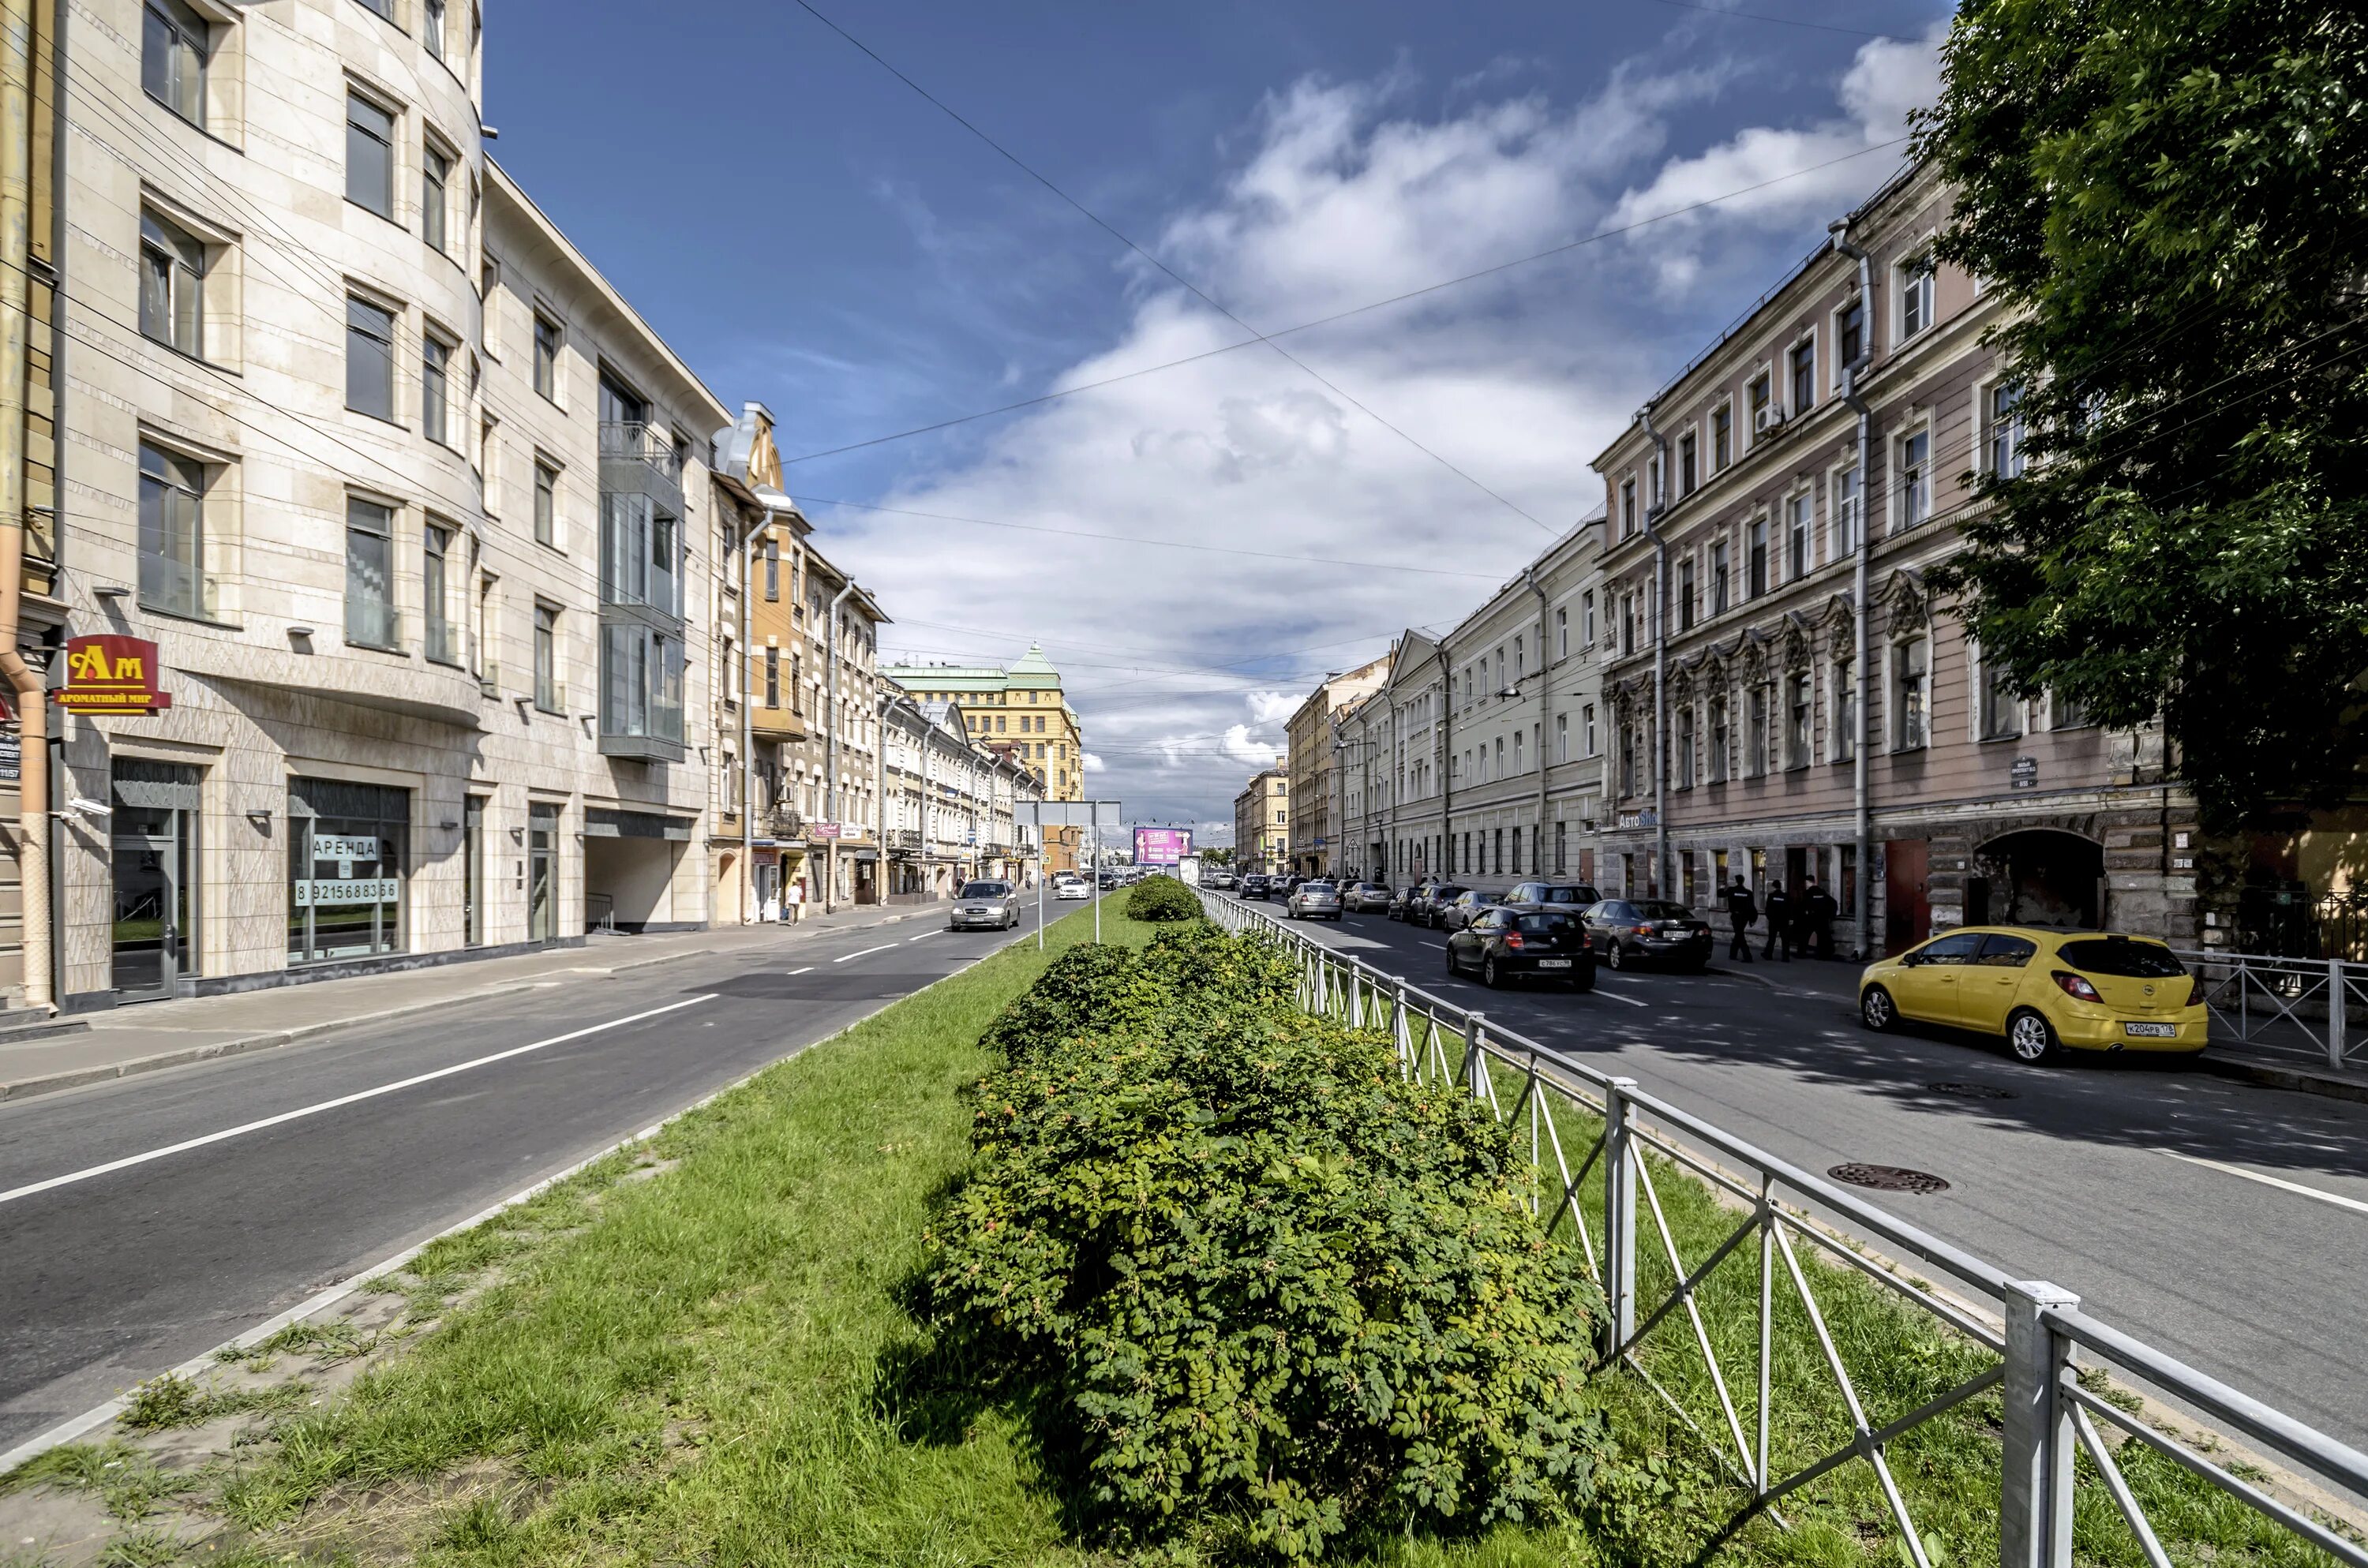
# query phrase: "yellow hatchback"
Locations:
[[2042, 990]]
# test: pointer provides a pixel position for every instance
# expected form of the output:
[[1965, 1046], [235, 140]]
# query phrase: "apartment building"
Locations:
[[1022, 705], [831, 775], [1788, 696], [1262, 823], [1313, 735], [406, 496]]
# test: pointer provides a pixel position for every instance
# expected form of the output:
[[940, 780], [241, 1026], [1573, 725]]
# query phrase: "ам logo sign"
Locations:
[[108, 674]]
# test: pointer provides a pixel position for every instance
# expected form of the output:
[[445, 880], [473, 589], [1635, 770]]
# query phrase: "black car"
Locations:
[[1254, 885], [1434, 902], [1504, 944], [1570, 897], [1403, 901], [1631, 931]]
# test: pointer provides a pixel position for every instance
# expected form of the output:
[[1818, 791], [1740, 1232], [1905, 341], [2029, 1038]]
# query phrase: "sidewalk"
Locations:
[[167, 1034]]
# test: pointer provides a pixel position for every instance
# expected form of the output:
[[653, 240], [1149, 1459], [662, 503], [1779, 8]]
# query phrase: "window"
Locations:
[[1627, 623], [1915, 477], [1686, 594], [434, 196], [1850, 336], [1845, 689], [1846, 513], [1759, 558], [431, 28], [1587, 729], [382, 8], [1518, 764], [547, 695], [1686, 746], [1587, 617], [772, 570], [434, 378], [1755, 740], [1562, 632], [172, 532], [369, 359], [1915, 296], [1722, 436], [435, 588], [1718, 577], [172, 58], [1758, 396], [172, 286], [369, 573], [1562, 737], [1805, 375], [772, 677], [370, 155], [1798, 707], [1501, 757], [2068, 712], [1627, 507], [1910, 693], [2001, 712], [1796, 537], [489, 288], [546, 356], [2005, 432], [546, 504], [1521, 658], [1687, 478], [1719, 743]]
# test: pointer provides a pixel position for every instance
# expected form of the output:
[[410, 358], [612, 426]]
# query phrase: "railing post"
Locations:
[[1402, 1027], [2035, 1477], [1474, 1026], [1619, 1215], [2335, 1013]]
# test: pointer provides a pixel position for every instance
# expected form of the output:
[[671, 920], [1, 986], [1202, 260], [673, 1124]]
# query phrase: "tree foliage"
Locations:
[[2171, 196]]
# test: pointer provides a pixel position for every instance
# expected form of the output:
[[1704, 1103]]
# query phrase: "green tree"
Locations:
[[2170, 196]]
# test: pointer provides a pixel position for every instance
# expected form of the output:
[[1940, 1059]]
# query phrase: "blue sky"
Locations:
[[807, 230]]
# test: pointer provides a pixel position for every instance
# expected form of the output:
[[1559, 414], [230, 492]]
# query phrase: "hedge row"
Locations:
[[1260, 1290], [1159, 898]]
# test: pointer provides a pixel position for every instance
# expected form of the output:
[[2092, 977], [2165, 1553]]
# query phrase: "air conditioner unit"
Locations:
[[1767, 419]]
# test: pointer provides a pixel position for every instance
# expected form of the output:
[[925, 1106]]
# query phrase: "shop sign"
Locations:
[[345, 847], [12, 759], [322, 893], [2023, 774], [822, 830], [108, 674]]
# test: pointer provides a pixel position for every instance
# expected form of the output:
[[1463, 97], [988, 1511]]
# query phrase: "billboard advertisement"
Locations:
[[1161, 846]]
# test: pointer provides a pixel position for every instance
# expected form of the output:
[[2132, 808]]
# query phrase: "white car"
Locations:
[[985, 905], [1072, 887]]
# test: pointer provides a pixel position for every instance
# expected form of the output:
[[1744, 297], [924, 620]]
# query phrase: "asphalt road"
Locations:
[[2070, 1175], [110, 1276]]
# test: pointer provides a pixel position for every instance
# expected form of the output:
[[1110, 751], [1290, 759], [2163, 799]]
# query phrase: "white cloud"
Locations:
[[1341, 195]]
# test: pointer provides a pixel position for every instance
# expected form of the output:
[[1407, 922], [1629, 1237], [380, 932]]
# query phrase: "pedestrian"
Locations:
[[797, 900], [1818, 912], [1741, 911], [1780, 922]]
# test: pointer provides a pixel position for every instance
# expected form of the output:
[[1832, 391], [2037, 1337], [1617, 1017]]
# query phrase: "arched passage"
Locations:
[[2038, 877]]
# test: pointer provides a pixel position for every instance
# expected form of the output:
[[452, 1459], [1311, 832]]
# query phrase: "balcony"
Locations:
[[776, 724], [641, 459]]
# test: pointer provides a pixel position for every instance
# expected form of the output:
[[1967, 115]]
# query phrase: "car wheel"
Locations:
[[1488, 972], [2031, 1037], [1876, 1010], [1451, 966], [1583, 980], [1612, 955]]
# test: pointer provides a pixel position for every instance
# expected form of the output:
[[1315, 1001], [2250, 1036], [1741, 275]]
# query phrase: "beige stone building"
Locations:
[[415, 507], [1022, 705], [1262, 823], [1317, 813]]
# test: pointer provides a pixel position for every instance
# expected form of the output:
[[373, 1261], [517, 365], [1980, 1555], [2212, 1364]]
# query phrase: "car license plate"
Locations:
[[1553, 964], [2151, 1032]]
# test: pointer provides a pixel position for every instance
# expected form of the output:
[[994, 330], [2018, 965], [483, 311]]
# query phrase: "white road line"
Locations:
[[1615, 996], [884, 946], [15, 1193], [2279, 1182], [808, 970], [923, 936]]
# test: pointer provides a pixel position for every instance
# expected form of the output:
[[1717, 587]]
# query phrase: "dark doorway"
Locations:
[[2044, 877], [1906, 893], [153, 851]]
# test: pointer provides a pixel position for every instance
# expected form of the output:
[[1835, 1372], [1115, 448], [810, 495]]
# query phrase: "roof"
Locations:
[[1036, 666]]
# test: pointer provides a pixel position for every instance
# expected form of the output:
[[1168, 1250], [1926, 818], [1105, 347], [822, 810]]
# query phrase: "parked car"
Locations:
[[2043, 991], [1433, 908], [1072, 886], [1366, 898], [1402, 902], [1465, 908], [1507, 943], [1314, 899], [1217, 881], [985, 905], [1254, 885], [1626, 931], [1571, 896]]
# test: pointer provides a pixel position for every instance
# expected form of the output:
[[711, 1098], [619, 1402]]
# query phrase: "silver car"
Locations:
[[1317, 900], [1367, 898], [986, 906]]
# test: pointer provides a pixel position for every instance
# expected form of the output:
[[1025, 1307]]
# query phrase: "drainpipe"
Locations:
[[1860, 816], [830, 752], [1661, 649], [23, 682], [1446, 765], [1545, 722]]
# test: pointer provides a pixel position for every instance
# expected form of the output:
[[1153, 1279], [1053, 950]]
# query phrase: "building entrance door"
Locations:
[[1906, 893], [154, 862], [542, 873]]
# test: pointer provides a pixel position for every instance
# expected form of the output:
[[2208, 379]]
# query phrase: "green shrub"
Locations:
[[1258, 1288], [1087, 988], [1162, 898]]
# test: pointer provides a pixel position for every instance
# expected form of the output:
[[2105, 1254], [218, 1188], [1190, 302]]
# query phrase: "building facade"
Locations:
[[1262, 824], [1313, 746], [410, 501], [1022, 705], [1788, 698]]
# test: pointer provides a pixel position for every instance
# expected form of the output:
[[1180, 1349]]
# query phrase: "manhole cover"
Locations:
[[1889, 1178], [1972, 1091]]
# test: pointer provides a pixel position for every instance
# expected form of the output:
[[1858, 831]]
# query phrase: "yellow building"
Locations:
[[1022, 705], [1262, 823]]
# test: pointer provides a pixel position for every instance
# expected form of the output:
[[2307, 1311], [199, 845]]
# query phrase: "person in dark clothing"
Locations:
[[1780, 923], [1741, 911], [1818, 912]]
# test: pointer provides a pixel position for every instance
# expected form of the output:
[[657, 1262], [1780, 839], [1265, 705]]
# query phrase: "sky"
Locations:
[[1190, 183]]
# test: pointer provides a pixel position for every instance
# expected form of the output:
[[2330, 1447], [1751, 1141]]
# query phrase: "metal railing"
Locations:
[[1588, 1134], [636, 441], [2294, 1006]]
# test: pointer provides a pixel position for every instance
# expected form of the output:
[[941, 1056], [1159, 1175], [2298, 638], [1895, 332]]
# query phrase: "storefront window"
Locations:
[[346, 858]]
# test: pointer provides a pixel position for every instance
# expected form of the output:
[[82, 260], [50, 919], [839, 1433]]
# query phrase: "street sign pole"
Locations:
[[1094, 860]]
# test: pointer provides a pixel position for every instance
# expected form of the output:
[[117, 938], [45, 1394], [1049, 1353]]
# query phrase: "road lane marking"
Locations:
[[1615, 996], [2351, 1203], [884, 947], [187, 1144], [923, 935], [808, 970]]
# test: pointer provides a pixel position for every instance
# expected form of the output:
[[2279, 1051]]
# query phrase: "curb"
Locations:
[[321, 1301], [2325, 1086]]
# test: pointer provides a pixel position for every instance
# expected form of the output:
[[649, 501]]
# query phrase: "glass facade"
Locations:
[[346, 845]]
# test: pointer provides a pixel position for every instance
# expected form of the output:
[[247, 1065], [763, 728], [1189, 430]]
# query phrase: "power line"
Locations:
[[1786, 22], [1186, 284]]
